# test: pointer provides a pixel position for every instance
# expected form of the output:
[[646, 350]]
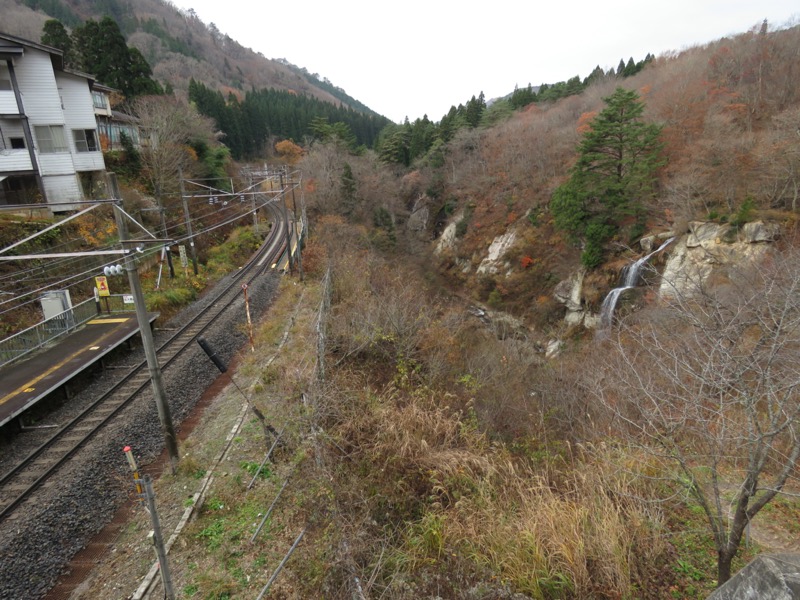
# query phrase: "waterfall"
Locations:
[[630, 277]]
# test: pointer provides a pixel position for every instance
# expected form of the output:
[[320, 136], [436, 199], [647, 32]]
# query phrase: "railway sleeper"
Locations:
[[14, 489]]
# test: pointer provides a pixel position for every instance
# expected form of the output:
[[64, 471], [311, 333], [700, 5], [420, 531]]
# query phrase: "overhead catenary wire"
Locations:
[[88, 274], [64, 262]]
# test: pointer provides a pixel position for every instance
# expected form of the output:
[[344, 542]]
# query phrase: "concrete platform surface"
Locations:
[[25, 383]]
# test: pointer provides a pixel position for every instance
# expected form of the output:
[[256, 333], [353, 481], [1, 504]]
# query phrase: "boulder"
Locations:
[[704, 234], [758, 231], [554, 348], [569, 291], [766, 577], [651, 242]]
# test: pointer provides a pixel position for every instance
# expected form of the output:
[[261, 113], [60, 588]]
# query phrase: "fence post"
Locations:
[[158, 540]]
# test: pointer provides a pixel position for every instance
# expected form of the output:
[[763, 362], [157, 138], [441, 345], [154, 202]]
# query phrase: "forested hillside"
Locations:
[[177, 45], [725, 115], [450, 432], [539, 453]]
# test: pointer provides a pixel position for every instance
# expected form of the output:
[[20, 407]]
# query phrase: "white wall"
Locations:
[[11, 128], [89, 161], [56, 163], [37, 83], [14, 160], [78, 108], [8, 103], [63, 189]]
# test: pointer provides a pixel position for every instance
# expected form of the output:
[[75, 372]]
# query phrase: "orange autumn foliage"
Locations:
[[585, 121], [289, 151]]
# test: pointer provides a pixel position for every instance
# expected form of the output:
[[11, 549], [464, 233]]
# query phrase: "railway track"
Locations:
[[21, 481]]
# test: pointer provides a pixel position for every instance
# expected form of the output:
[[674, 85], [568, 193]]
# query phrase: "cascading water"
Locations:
[[630, 277]]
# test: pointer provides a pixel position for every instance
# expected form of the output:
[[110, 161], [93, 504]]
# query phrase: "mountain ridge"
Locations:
[[179, 46]]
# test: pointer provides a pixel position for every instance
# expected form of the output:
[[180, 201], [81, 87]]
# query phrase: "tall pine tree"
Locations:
[[615, 174]]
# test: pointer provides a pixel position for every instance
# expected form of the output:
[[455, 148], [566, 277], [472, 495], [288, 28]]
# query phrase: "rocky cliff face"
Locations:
[[694, 258], [710, 247]]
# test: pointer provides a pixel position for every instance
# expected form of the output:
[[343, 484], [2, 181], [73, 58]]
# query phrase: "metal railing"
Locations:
[[33, 338]]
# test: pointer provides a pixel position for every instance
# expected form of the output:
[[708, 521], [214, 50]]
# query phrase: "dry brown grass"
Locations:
[[411, 412], [454, 496], [586, 537]]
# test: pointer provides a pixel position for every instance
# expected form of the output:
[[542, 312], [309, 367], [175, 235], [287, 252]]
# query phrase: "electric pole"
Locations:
[[289, 226], [170, 437], [188, 223]]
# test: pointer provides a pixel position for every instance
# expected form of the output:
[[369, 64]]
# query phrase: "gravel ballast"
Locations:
[[60, 519]]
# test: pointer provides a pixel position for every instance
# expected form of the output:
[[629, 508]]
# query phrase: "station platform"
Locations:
[[24, 383]]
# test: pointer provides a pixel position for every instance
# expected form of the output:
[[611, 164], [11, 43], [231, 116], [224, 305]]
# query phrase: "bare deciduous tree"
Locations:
[[779, 159], [708, 384], [168, 126]]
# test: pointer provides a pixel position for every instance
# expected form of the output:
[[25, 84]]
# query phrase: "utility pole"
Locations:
[[170, 438], [300, 238], [252, 201], [164, 229], [288, 226], [188, 223]]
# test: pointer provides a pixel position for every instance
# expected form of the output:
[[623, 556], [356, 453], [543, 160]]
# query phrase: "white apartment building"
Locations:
[[50, 151]]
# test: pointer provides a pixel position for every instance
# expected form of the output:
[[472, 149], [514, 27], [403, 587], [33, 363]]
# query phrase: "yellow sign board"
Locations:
[[102, 286]]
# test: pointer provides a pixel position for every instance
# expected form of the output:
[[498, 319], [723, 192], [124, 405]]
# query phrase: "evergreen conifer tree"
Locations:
[[56, 35], [474, 110], [615, 173], [630, 68], [348, 190], [101, 51]]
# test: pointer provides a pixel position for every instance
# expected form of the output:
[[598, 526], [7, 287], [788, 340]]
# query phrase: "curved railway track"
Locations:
[[25, 478]]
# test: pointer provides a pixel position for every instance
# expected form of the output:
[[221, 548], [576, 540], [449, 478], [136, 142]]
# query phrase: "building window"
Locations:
[[85, 140], [5, 85], [17, 143], [99, 100], [50, 138]]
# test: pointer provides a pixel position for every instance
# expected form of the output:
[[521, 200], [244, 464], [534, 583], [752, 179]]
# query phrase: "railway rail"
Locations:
[[21, 481]]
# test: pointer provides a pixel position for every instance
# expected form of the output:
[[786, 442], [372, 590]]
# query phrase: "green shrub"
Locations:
[[744, 214]]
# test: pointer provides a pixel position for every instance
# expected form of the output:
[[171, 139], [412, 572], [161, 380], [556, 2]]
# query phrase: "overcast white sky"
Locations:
[[420, 57]]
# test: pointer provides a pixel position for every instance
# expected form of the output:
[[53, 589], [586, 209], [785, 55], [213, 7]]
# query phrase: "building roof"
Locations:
[[14, 45]]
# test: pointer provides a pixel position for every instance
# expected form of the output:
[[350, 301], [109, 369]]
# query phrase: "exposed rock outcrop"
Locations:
[[692, 258], [569, 292], [420, 214], [448, 238], [494, 262], [710, 246]]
